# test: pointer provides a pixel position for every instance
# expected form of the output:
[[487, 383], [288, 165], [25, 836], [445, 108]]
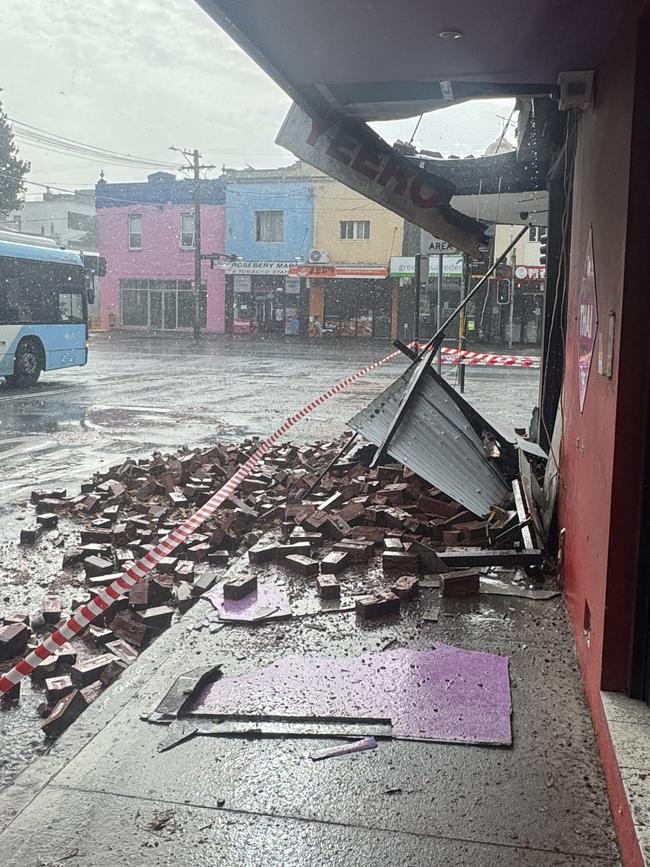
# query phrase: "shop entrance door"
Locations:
[[155, 310], [169, 312], [162, 310]]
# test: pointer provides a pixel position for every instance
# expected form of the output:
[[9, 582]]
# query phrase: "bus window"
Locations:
[[71, 307]]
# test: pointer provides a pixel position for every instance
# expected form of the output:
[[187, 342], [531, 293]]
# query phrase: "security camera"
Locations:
[[523, 215]]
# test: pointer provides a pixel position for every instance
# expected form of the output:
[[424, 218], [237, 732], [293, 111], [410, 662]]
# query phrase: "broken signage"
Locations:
[[349, 151]]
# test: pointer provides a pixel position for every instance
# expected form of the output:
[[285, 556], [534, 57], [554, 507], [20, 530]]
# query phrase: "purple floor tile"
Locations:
[[270, 601], [446, 694]]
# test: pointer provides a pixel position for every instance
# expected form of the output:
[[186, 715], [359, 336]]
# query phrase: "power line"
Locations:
[[43, 136]]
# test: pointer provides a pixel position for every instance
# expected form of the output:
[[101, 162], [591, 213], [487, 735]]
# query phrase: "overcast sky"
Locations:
[[137, 76]]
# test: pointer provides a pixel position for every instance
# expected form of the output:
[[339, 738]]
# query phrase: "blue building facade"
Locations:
[[270, 221], [270, 229]]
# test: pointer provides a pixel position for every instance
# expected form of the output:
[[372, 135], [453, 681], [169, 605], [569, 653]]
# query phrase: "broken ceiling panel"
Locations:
[[446, 694], [441, 438]]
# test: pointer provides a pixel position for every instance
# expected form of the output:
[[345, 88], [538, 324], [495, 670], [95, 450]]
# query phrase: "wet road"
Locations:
[[141, 393]]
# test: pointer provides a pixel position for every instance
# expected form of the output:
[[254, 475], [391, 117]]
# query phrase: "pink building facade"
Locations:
[[146, 234]]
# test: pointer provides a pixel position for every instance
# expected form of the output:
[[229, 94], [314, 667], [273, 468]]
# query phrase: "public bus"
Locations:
[[43, 308]]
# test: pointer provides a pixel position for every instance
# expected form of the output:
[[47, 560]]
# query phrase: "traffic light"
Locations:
[[101, 266], [543, 249], [503, 291]]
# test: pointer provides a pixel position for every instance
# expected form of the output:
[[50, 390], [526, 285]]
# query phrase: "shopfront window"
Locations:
[[160, 304]]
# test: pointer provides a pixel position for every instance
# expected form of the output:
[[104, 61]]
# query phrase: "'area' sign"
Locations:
[[587, 320]]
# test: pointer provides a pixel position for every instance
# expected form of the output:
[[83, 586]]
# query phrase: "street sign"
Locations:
[[430, 246], [587, 320], [404, 266]]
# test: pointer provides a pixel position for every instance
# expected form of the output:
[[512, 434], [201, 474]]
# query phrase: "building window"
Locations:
[[187, 231], [135, 232], [355, 230], [535, 233], [80, 222], [270, 225]]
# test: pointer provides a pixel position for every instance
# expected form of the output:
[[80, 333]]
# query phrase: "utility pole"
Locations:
[[197, 243], [513, 265], [467, 275], [421, 277], [418, 281], [195, 164], [439, 310]]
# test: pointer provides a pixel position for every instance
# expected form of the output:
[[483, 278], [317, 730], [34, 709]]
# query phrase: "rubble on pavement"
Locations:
[[313, 510]]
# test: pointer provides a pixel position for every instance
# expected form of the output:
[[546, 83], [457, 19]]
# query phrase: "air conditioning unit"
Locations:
[[318, 257], [576, 89]]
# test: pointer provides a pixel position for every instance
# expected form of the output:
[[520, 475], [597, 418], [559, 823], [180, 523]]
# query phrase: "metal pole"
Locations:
[[418, 281], [197, 245], [513, 262], [467, 272], [439, 310]]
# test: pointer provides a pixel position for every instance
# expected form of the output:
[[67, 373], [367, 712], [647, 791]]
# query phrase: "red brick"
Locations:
[[123, 651], [220, 557], [239, 586], [406, 587], [335, 562], [88, 671], [129, 630], [377, 605], [157, 618], [462, 582], [262, 553], [29, 535], [57, 687], [302, 565], [13, 639], [451, 537], [92, 691], [64, 713], [328, 587], [402, 562], [184, 571], [94, 566]]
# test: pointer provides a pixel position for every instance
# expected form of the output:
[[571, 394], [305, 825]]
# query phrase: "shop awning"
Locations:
[[384, 60]]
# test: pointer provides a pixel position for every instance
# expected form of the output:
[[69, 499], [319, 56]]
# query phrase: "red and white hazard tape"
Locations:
[[464, 356], [105, 598]]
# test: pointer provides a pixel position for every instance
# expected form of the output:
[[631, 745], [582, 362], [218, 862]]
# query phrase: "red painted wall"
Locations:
[[603, 448]]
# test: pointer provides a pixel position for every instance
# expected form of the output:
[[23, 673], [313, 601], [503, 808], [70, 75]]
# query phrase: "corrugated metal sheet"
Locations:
[[436, 440]]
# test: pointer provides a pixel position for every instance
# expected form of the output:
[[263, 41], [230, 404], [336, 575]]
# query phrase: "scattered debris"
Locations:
[[344, 749], [315, 517], [160, 820]]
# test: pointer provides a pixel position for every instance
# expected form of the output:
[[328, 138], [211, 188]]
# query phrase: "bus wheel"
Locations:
[[28, 364]]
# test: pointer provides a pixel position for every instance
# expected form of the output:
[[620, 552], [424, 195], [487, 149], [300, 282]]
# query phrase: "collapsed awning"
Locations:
[[443, 439]]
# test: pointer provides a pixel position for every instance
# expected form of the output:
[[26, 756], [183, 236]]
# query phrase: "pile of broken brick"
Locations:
[[326, 511]]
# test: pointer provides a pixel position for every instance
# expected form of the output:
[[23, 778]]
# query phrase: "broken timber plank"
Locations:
[[482, 557], [522, 515]]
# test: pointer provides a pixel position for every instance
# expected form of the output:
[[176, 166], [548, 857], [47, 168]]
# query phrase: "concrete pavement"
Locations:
[[237, 801]]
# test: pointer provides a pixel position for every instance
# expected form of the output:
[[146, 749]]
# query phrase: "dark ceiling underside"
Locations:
[[380, 59]]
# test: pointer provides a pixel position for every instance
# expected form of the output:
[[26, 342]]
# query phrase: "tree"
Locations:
[[12, 168]]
